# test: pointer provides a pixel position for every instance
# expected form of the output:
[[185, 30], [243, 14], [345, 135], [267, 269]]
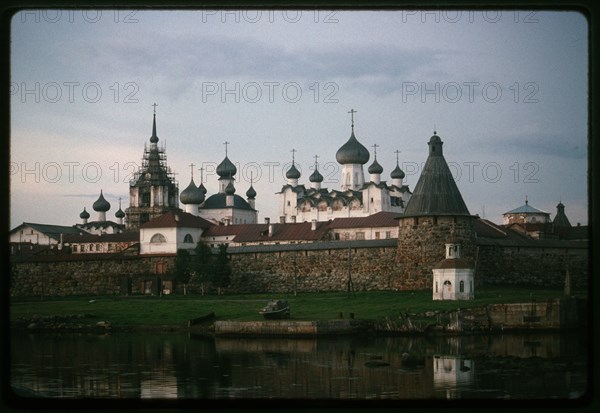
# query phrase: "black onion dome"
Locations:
[[226, 169], [251, 193], [101, 205], [397, 173], [316, 176], [229, 189], [352, 152], [191, 195], [84, 214], [202, 189], [120, 213], [292, 173], [375, 168]]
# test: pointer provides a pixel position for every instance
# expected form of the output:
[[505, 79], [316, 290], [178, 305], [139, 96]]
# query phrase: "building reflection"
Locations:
[[177, 366]]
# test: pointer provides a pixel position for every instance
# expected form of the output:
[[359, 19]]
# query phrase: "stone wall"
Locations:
[[421, 245], [316, 270], [374, 265], [544, 267], [81, 275]]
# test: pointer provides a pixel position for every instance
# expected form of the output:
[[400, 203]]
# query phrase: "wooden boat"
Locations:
[[276, 309]]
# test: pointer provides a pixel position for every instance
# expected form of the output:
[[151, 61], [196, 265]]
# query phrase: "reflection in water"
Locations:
[[168, 366]]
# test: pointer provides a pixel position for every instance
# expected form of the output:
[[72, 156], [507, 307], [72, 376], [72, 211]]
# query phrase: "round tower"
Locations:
[[435, 210]]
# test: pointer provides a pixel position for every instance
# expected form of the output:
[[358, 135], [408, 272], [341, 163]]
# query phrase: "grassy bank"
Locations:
[[177, 310]]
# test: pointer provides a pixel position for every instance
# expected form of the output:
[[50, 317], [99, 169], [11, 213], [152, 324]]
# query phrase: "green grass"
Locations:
[[177, 310]]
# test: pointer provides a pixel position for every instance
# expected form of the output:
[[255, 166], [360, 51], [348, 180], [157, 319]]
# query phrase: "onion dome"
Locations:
[[120, 213], [84, 214], [191, 195], [229, 189], [251, 193], [154, 137], [226, 169], [101, 205], [375, 168], [316, 176], [202, 189], [397, 173], [352, 152], [292, 173]]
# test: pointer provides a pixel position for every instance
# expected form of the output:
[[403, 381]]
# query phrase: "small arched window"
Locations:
[[188, 239], [158, 238]]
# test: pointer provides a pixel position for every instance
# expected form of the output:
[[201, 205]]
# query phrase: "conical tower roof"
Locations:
[[561, 220], [436, 192]]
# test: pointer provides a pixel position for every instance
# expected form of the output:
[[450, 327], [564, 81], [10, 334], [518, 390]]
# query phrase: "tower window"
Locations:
[[461, 287], [188, 239]]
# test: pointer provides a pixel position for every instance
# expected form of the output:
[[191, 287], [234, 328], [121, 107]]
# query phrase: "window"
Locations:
[[377, 235], [288, 203], [97, 247], [388, 234], [158, 238], [360, 235], [436, 286], [74, 248], [188, 239], [371, 199], [461, 286]]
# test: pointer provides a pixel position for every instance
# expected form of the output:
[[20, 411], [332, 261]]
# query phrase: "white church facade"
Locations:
[[356, 198]]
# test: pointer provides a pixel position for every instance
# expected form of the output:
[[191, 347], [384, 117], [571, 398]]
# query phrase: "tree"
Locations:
[[202, 264], [222, 270], [182, 270]]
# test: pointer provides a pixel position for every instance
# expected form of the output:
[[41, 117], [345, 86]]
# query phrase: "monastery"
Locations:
[[426, 239]]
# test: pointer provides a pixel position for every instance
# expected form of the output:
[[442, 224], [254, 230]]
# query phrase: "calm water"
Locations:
[[168, 366]]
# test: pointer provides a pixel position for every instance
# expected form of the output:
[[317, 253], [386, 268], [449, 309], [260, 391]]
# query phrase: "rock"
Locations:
[[104, 324], [32, 325]]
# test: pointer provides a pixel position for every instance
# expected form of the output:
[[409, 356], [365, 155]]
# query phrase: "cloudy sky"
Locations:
[[506, 91]]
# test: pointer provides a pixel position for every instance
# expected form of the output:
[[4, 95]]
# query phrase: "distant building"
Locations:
[[225, 207], [170, 232], [153, 191], [526, 214], [101, 243], [101, 225], [356, 198], [41, 234]]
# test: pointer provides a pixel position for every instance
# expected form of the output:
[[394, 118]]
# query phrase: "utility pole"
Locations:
[[350, 284]]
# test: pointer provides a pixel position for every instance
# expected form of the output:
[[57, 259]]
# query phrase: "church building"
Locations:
[[224, 207], [356, 198], [153, 191]]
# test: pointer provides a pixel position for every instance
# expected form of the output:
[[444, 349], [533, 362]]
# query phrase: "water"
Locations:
[[177, 366]]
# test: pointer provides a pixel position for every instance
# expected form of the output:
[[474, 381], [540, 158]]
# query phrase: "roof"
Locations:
[[352, 152], [259, 232], [218, 201], [380, 219], [436, 192], [52, 231], [130, 236], [177, 219], [453, 263], [492, 234], [526, 209], [100, 224]]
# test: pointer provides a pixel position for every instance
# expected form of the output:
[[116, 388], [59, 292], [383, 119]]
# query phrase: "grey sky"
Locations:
[[506, 91]]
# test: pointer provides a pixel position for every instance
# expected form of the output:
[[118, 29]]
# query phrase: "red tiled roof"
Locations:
[[259, 232], [130, 236], [380, 219], [178, 219]]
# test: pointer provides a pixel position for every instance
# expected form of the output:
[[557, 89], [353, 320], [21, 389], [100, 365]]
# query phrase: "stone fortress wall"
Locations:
[[286, 268]]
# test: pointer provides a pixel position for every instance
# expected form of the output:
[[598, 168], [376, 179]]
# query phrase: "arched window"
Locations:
[[188, 239], [158, 238], [461, 286]]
